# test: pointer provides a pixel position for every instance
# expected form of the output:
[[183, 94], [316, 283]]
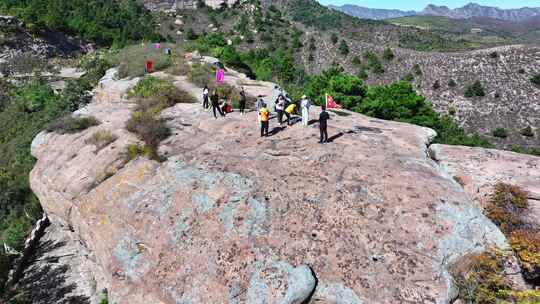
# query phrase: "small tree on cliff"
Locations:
[[343, 48], [475, 90], [388, 55], [334, 38], [536, 79]]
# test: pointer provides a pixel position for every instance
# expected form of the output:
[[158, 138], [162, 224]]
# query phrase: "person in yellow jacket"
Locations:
[[264, 117], [288, 111]]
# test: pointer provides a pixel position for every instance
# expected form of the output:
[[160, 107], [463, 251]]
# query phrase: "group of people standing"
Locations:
[[283, 107], [217, 107]]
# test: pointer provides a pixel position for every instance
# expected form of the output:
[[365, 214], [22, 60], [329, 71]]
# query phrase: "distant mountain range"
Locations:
[[468, 11]]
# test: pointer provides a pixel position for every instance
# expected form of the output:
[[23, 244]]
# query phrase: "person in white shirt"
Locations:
[[205, 92], [305, 105]]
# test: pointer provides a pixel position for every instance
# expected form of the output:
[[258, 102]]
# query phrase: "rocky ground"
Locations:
[[375, 216], [22, 50]]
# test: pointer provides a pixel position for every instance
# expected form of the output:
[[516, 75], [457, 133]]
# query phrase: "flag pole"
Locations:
[[326, 100]]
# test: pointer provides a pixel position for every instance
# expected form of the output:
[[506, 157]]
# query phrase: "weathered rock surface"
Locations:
[[233, 218], [479, 170]]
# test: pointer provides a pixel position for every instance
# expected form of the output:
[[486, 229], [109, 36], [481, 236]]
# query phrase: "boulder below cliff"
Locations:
[[231, 217]]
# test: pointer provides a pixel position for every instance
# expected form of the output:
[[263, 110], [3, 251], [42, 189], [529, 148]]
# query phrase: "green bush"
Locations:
[[334, 38], [500, 133], [452, 83], [34, 95], [70, 124], [101, 139], [536, 79], [373, 62], [346, 89], [343, 48], [161, 91], [527, 131], [150, 128], [153, 95], [135, 150], [417, 70], [408, 77], [388, 55], [475, 89]]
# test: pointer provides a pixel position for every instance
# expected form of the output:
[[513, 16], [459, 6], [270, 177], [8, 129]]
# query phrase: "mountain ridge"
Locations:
[[468, 11]]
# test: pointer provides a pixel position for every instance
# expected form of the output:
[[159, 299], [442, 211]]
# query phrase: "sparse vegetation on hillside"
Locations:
[[481, 277], [105, 22], [70, 124], [153, 95], [536, 79], [500, 133], [475, 89], [343, 48], [27, 109]]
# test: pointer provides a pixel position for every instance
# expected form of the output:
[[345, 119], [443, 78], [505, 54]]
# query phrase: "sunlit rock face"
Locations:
[[231, 217]]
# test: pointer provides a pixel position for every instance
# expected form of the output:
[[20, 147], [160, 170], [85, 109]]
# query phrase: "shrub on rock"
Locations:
[[527, 131], [388, 55], [536, 79], [500, 133], [70, 124], [475, 89]]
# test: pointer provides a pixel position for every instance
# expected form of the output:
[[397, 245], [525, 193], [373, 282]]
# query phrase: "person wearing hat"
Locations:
[[305, 104]]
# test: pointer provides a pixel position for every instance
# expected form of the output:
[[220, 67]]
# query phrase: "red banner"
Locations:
[[330, 103]]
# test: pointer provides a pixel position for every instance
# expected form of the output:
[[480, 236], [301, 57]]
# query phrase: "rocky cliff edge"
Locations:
[[376, 216]]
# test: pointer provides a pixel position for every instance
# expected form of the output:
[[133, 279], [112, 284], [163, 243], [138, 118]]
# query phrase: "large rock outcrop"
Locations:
[[231, 217], [479, 170]]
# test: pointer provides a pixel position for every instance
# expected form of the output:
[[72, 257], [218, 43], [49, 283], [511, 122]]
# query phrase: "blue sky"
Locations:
[[420, 4]]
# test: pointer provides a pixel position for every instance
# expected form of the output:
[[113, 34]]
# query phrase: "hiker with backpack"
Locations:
[[305, 104], [264, 117]]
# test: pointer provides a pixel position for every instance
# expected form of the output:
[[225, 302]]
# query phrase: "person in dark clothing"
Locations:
[[242, 102], [215, 105], [323, 118]]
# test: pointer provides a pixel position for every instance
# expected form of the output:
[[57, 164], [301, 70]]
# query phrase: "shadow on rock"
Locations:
[[45, 283]]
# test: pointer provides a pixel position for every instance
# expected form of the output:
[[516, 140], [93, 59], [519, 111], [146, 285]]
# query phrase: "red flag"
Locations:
[[330, 103]]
